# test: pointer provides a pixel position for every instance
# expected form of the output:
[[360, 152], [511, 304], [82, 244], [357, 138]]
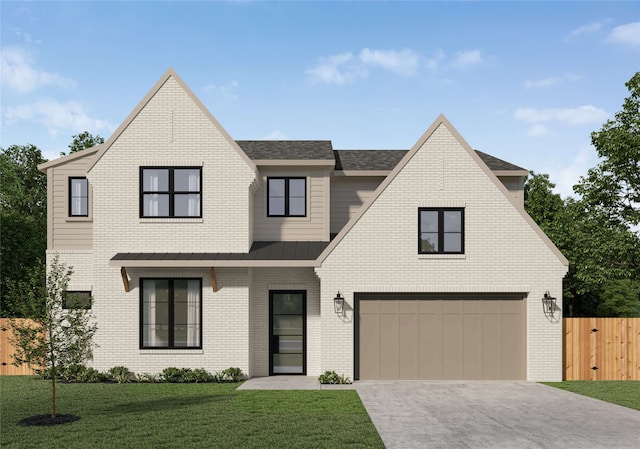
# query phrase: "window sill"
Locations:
[[442, 256], [171, 351], [85, 219], [171, 220]]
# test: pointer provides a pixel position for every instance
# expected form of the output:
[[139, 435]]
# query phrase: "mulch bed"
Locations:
[[46, 420]]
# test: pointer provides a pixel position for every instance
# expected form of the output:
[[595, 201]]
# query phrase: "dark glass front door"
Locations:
[[288, 323]]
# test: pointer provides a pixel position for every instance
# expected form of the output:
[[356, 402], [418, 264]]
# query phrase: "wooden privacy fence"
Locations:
[[602, 348], [6, 352]]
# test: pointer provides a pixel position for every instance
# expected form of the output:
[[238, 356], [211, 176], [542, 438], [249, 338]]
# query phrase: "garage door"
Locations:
[[410, 336]]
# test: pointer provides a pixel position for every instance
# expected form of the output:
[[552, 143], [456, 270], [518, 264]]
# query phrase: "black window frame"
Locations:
[[171, 191], [71, 196], [441, 232], [286, 179], [171, 341], [68, 295]]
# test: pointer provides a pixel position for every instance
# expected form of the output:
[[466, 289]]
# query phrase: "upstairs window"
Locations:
[[286, 197], [441, 231], [171, 192], [78, 197]]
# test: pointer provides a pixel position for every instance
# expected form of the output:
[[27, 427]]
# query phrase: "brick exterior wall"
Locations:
[[502, 253]]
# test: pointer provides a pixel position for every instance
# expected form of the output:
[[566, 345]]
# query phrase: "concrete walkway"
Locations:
[[289, 383], [439, 414]]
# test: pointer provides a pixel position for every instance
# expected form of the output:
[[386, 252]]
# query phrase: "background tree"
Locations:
[[83, 141], [23, 218], [60, 336]]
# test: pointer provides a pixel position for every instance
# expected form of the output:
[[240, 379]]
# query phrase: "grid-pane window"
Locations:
[[170, 192], [441, 230], [78, 197], [171, 313], [286, 197]]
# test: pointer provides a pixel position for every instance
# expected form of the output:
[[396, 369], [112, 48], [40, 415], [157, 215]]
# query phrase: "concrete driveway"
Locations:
[[440, 414]]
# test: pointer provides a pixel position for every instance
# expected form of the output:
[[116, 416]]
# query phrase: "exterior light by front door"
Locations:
[[548, 304], [338, 304]]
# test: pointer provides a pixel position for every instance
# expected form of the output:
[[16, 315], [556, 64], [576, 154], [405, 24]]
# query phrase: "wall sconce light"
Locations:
[[338, 304], [548, 304]]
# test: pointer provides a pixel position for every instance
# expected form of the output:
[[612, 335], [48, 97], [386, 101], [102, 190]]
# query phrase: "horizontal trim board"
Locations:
[[447, 296]]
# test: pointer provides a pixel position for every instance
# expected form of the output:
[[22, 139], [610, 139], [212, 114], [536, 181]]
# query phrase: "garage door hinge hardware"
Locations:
[[594, 368], [594, 330]]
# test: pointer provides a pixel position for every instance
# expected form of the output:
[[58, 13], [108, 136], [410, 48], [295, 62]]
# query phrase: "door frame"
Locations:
[[304, 332]]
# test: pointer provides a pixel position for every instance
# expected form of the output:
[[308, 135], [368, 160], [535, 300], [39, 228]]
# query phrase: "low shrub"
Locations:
[[119, 374], [331, 377], [147, 378], [233, 374]]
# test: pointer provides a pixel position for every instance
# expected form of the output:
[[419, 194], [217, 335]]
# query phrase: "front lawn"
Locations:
[[184, 416], [621, 392]]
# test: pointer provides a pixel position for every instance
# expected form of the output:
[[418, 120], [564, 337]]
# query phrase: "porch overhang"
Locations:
[[262, 254]]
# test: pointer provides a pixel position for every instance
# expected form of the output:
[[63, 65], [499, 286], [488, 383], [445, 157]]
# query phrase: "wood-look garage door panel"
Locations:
[[389, 344], [409, 344], [370, 344], [430, 343], [472, 345], [452, 345], [453, 338]]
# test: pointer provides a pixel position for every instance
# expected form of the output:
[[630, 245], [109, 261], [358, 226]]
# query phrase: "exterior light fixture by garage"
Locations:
[[338, 304], [548, 304]]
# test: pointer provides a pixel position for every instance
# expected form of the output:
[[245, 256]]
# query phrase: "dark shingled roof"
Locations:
[[497, 164], [258, 251], [368, 159], [345, 159], [287, 149]]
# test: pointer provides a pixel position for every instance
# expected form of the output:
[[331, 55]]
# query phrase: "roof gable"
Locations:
[[441, 121], [170, 73]]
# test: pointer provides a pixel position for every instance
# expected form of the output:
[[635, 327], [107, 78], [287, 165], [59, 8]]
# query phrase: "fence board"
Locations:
[[7, 350], [602, 348]]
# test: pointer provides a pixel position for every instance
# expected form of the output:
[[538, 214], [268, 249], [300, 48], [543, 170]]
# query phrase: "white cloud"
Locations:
[[404, 62], [434, 62], [550, 81], [628, 34], [581, 115], [589, 28], [276, 134], [55, 116], [337, 69], [17, 72], [537, 130], [465, 59], [566, 177], [227, 90]]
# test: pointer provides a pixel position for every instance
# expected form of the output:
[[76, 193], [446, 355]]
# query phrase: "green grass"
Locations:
[[621, 392], [184, 416]]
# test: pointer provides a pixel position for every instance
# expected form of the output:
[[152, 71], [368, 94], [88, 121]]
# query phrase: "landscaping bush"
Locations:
[[119, 374], [331, 377], [233, 374]]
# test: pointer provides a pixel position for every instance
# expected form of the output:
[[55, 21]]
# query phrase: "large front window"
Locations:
[[286, 197], [170, 191], [171, 313], [441, 230]]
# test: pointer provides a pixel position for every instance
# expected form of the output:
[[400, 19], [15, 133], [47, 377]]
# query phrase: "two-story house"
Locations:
[[290, 257]]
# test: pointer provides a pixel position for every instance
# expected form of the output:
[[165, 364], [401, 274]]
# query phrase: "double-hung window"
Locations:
[[441, 230], [171, 192], [171, 313], [78, 197], [286, 197]]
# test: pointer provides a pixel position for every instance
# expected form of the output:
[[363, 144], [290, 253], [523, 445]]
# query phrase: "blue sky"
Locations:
[[525, 81]]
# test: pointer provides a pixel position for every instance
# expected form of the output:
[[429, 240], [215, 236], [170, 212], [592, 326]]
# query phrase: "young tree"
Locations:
[[59, 336]]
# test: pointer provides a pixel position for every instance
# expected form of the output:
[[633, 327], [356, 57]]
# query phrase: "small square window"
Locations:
[[440, 231], [286, 197]]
